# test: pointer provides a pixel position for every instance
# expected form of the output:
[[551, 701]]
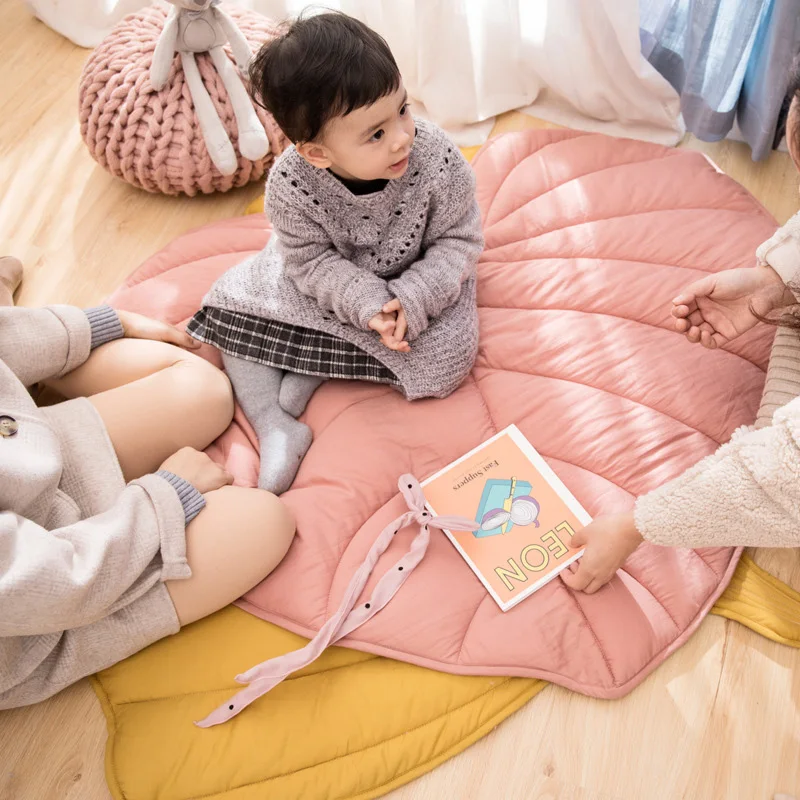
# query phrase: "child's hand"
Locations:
[[385, 323], [608, 542], [718, 308], [395, 307]]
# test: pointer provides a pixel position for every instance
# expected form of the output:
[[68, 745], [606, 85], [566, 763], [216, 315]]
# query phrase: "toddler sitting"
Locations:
[[370, 271]]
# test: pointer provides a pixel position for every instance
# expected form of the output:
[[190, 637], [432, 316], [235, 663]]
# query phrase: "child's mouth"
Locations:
[[400, 165]]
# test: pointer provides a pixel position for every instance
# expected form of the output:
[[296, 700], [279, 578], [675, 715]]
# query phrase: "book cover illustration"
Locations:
[[505, 503], [524, 514]]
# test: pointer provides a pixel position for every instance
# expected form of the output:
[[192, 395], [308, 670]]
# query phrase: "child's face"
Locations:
[[368, 143]]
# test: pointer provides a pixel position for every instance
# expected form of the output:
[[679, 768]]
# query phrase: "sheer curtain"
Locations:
[[729, 60], [85, 22], [574, 62]]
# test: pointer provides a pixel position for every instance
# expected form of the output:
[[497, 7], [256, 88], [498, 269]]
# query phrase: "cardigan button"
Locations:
[[8, 427]]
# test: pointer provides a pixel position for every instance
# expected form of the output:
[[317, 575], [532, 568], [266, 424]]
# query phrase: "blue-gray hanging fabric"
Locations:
[[728, 59]]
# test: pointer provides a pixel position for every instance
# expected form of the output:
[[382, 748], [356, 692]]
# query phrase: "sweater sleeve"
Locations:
[[191, 500], [452, 245], [41, 343], [65, 578], [310, 259], [747, 493], [782, 252]]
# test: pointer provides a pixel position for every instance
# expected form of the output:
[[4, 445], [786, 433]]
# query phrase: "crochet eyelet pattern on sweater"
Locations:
[[336, 259]]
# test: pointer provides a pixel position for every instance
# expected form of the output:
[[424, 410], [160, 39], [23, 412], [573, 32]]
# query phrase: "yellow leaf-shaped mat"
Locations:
[[761, 602], [351, 726]]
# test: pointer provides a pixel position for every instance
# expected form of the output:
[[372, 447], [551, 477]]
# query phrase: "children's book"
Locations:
[[526, 516]]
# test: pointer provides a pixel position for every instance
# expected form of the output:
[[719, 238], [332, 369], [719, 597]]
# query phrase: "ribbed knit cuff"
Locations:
[[105, 325], [192, 501]]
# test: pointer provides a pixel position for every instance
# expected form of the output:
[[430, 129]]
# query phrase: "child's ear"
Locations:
[[315, 154]]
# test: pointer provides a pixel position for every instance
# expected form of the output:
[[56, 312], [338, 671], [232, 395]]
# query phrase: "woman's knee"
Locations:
[[264, 524], [232, 545], [205, 392]]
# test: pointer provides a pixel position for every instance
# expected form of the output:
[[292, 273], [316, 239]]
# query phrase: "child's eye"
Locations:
[[404, 109], [377, 136]]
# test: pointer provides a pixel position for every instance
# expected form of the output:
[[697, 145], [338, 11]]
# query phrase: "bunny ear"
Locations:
[[412, 492]]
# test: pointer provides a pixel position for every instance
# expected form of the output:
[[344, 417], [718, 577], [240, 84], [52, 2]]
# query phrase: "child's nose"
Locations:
[[401, 141]]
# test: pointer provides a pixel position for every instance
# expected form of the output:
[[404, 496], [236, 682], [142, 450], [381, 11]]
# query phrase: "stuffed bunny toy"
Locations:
[[197, 26]]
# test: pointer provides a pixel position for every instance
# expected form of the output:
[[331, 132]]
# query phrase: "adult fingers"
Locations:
[[693, 334], [173, 335], [702, 288], [578, 580]]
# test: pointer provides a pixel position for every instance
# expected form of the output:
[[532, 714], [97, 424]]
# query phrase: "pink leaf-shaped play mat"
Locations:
[[587, 240]]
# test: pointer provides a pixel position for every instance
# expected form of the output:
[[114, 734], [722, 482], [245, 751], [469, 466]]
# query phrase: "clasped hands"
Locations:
[[392, 326]]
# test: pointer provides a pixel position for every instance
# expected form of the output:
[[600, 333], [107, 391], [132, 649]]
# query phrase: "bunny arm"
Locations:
[[165, 51], [239, 46], [253, 141]]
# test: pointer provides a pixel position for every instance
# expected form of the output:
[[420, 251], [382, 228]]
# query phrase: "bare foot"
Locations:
[[10, 275]]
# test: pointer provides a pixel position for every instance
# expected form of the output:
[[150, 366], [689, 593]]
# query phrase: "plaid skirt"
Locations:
[[287, 347]]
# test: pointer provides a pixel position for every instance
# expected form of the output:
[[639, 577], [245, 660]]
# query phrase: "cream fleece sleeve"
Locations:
[[747, 493]]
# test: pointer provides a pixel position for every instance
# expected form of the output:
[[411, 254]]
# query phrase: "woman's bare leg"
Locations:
[[154, 399], [10, 279], [233, 544]]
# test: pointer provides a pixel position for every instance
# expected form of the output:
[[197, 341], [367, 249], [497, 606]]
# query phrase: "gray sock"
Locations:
[[282, 440], [296, 391]]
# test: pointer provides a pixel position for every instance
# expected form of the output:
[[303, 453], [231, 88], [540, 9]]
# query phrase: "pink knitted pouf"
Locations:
[[153, 139]]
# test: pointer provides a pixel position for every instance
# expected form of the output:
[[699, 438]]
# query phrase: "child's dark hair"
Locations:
[[792, 93], [323, 66]]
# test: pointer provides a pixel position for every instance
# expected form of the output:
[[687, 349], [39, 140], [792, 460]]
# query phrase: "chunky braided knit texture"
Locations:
[[153, 139]]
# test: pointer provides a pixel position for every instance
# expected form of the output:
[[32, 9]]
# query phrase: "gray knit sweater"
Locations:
[[336, 258]]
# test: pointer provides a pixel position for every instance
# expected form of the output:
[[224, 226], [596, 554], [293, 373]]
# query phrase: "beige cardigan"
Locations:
[[82, 556], [748, 492]]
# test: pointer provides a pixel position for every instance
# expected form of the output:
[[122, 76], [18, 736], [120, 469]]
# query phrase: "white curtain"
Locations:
[[85, 22], [574, 62]]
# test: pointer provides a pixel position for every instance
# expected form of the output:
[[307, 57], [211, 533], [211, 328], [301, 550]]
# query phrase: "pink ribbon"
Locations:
[[268, 674]]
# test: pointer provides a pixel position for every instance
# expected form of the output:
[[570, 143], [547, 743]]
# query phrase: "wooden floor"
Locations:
[[720, 720]]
